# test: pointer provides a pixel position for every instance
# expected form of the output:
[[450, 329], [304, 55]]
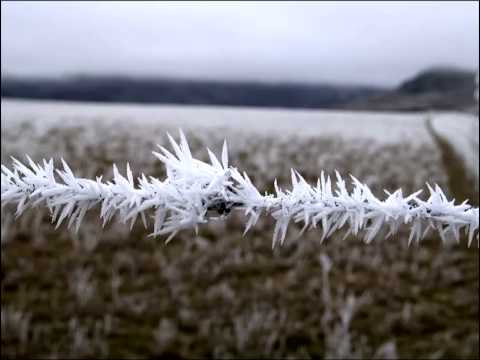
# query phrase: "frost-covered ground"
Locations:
[[383, 127], [111, 292]]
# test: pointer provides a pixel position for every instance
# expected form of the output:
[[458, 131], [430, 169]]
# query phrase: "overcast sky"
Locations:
[[370, 43]]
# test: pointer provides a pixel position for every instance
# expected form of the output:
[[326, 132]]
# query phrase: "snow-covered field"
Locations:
[[382, 127]]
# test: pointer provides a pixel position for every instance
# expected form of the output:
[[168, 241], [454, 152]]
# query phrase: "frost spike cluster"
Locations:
[[194, 189]]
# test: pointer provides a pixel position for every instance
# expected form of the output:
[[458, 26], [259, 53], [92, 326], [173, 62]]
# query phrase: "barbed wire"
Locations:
[[194, 189]]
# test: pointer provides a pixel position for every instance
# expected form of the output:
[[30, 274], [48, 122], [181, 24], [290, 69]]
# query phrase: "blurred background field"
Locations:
[[111, 292]]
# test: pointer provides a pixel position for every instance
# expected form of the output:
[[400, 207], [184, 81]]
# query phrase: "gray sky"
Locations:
[[370, 43]]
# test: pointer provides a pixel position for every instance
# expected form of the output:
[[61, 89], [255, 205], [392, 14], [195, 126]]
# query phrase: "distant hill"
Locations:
[[439, 80], [434, 89], [166, 91]]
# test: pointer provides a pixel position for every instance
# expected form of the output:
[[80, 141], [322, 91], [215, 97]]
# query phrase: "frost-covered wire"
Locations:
[[195, 192]]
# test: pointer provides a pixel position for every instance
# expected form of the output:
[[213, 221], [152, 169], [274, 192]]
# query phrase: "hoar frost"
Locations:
[[193, 189]]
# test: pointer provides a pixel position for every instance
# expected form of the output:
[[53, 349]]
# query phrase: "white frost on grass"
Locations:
[[384, 128]]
